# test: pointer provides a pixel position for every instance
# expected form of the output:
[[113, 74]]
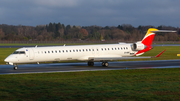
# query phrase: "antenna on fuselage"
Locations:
[[64, 44], [36, 45]]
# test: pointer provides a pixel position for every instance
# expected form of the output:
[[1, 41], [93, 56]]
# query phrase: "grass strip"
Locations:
[[141, 85]]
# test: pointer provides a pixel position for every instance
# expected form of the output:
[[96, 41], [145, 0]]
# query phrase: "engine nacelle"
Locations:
[[138, 46]]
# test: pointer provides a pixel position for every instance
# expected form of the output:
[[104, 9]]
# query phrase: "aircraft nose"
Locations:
[[7, 59]]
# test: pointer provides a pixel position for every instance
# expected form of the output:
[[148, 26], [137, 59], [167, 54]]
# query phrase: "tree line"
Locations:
[[60, 32]]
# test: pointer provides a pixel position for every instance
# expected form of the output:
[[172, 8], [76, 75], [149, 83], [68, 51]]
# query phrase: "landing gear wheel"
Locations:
[[15, 67], [90, 63], [105, 64], [102, 63]]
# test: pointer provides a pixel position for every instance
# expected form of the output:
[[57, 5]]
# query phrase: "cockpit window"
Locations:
[[19, 52]]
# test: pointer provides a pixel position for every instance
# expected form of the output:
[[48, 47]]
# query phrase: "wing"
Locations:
[[115, 58], [121, 58]]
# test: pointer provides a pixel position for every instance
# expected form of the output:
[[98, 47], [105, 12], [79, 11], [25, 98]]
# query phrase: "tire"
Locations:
[[15, 67], [106, 64], [102, 63], [90, 63]]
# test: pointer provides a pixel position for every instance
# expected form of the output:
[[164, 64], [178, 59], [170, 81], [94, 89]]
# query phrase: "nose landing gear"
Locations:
[[15, 66]]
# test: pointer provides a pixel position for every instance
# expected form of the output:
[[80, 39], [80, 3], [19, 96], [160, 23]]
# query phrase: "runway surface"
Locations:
[[74, 67]]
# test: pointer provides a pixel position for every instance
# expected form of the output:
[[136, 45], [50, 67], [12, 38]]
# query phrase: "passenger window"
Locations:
[[48, 51], [66, 50], [92, 49], [73, 50], [76, 50], [52, 51], [126, 48], [45, 52], [83, 50], [112, 48], [59, 51], [108, 48], [69, 50], [86, 49], [115, 48], [63, 51], [102, 49], [89, 49], [79, 50], [56, 51]]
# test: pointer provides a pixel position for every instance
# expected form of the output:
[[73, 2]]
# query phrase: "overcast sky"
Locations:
[[90, 12]]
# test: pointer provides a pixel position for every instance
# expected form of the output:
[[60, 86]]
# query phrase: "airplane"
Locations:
[[90, 53]]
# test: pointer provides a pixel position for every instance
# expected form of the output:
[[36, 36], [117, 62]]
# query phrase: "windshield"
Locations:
[[19, 52]]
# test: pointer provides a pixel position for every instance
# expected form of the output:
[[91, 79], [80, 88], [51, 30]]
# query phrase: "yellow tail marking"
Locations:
[[150, 31]]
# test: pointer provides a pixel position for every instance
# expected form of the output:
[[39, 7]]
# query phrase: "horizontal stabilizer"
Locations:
[[160, 53], [162, 31]]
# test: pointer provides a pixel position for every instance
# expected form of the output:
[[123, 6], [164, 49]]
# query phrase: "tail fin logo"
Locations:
[[148, 39]]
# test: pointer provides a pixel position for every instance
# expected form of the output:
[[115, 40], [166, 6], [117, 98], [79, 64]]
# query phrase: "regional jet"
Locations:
[[90, 53]]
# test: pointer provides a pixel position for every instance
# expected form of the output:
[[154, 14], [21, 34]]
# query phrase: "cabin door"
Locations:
[[31, 54]]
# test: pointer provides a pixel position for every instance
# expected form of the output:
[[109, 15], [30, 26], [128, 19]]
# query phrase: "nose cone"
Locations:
[[6, 60], [10, 58]]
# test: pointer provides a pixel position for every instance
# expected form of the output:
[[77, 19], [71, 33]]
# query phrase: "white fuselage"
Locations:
[[64, 53]]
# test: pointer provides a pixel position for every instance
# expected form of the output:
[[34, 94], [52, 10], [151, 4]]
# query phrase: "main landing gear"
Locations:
[[90, 63], [105, 64]]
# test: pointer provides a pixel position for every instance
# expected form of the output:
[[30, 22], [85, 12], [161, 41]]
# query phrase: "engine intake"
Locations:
[[138, 46]]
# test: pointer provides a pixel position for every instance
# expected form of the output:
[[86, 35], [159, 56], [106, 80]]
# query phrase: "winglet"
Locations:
[[160, 53]]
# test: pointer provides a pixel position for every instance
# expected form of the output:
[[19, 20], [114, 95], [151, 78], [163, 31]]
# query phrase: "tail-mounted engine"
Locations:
[[138, 46]]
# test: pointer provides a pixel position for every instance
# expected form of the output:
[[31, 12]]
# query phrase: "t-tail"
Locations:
[[145, 44]]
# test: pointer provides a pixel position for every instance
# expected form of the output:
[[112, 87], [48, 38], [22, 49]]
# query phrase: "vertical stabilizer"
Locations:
[[148, 39]]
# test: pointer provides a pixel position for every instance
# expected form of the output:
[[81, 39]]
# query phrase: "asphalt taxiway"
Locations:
[[75, 67]]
